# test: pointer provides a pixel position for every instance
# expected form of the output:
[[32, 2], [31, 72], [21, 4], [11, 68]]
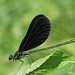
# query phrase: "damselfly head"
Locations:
[[11, 57]]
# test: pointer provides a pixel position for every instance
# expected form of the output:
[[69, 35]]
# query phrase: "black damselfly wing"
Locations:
[[37, 33]]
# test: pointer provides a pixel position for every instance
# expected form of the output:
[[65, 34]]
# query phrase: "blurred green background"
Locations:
[[15, 18]]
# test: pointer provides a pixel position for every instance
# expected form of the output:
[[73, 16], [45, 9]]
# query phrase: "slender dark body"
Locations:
[[38, 32]]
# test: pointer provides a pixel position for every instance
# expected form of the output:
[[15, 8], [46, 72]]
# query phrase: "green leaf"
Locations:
[[65, 68], [51, 63]]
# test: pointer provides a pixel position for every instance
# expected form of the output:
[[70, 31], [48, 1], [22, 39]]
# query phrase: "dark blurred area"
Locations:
[[16, 16]]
